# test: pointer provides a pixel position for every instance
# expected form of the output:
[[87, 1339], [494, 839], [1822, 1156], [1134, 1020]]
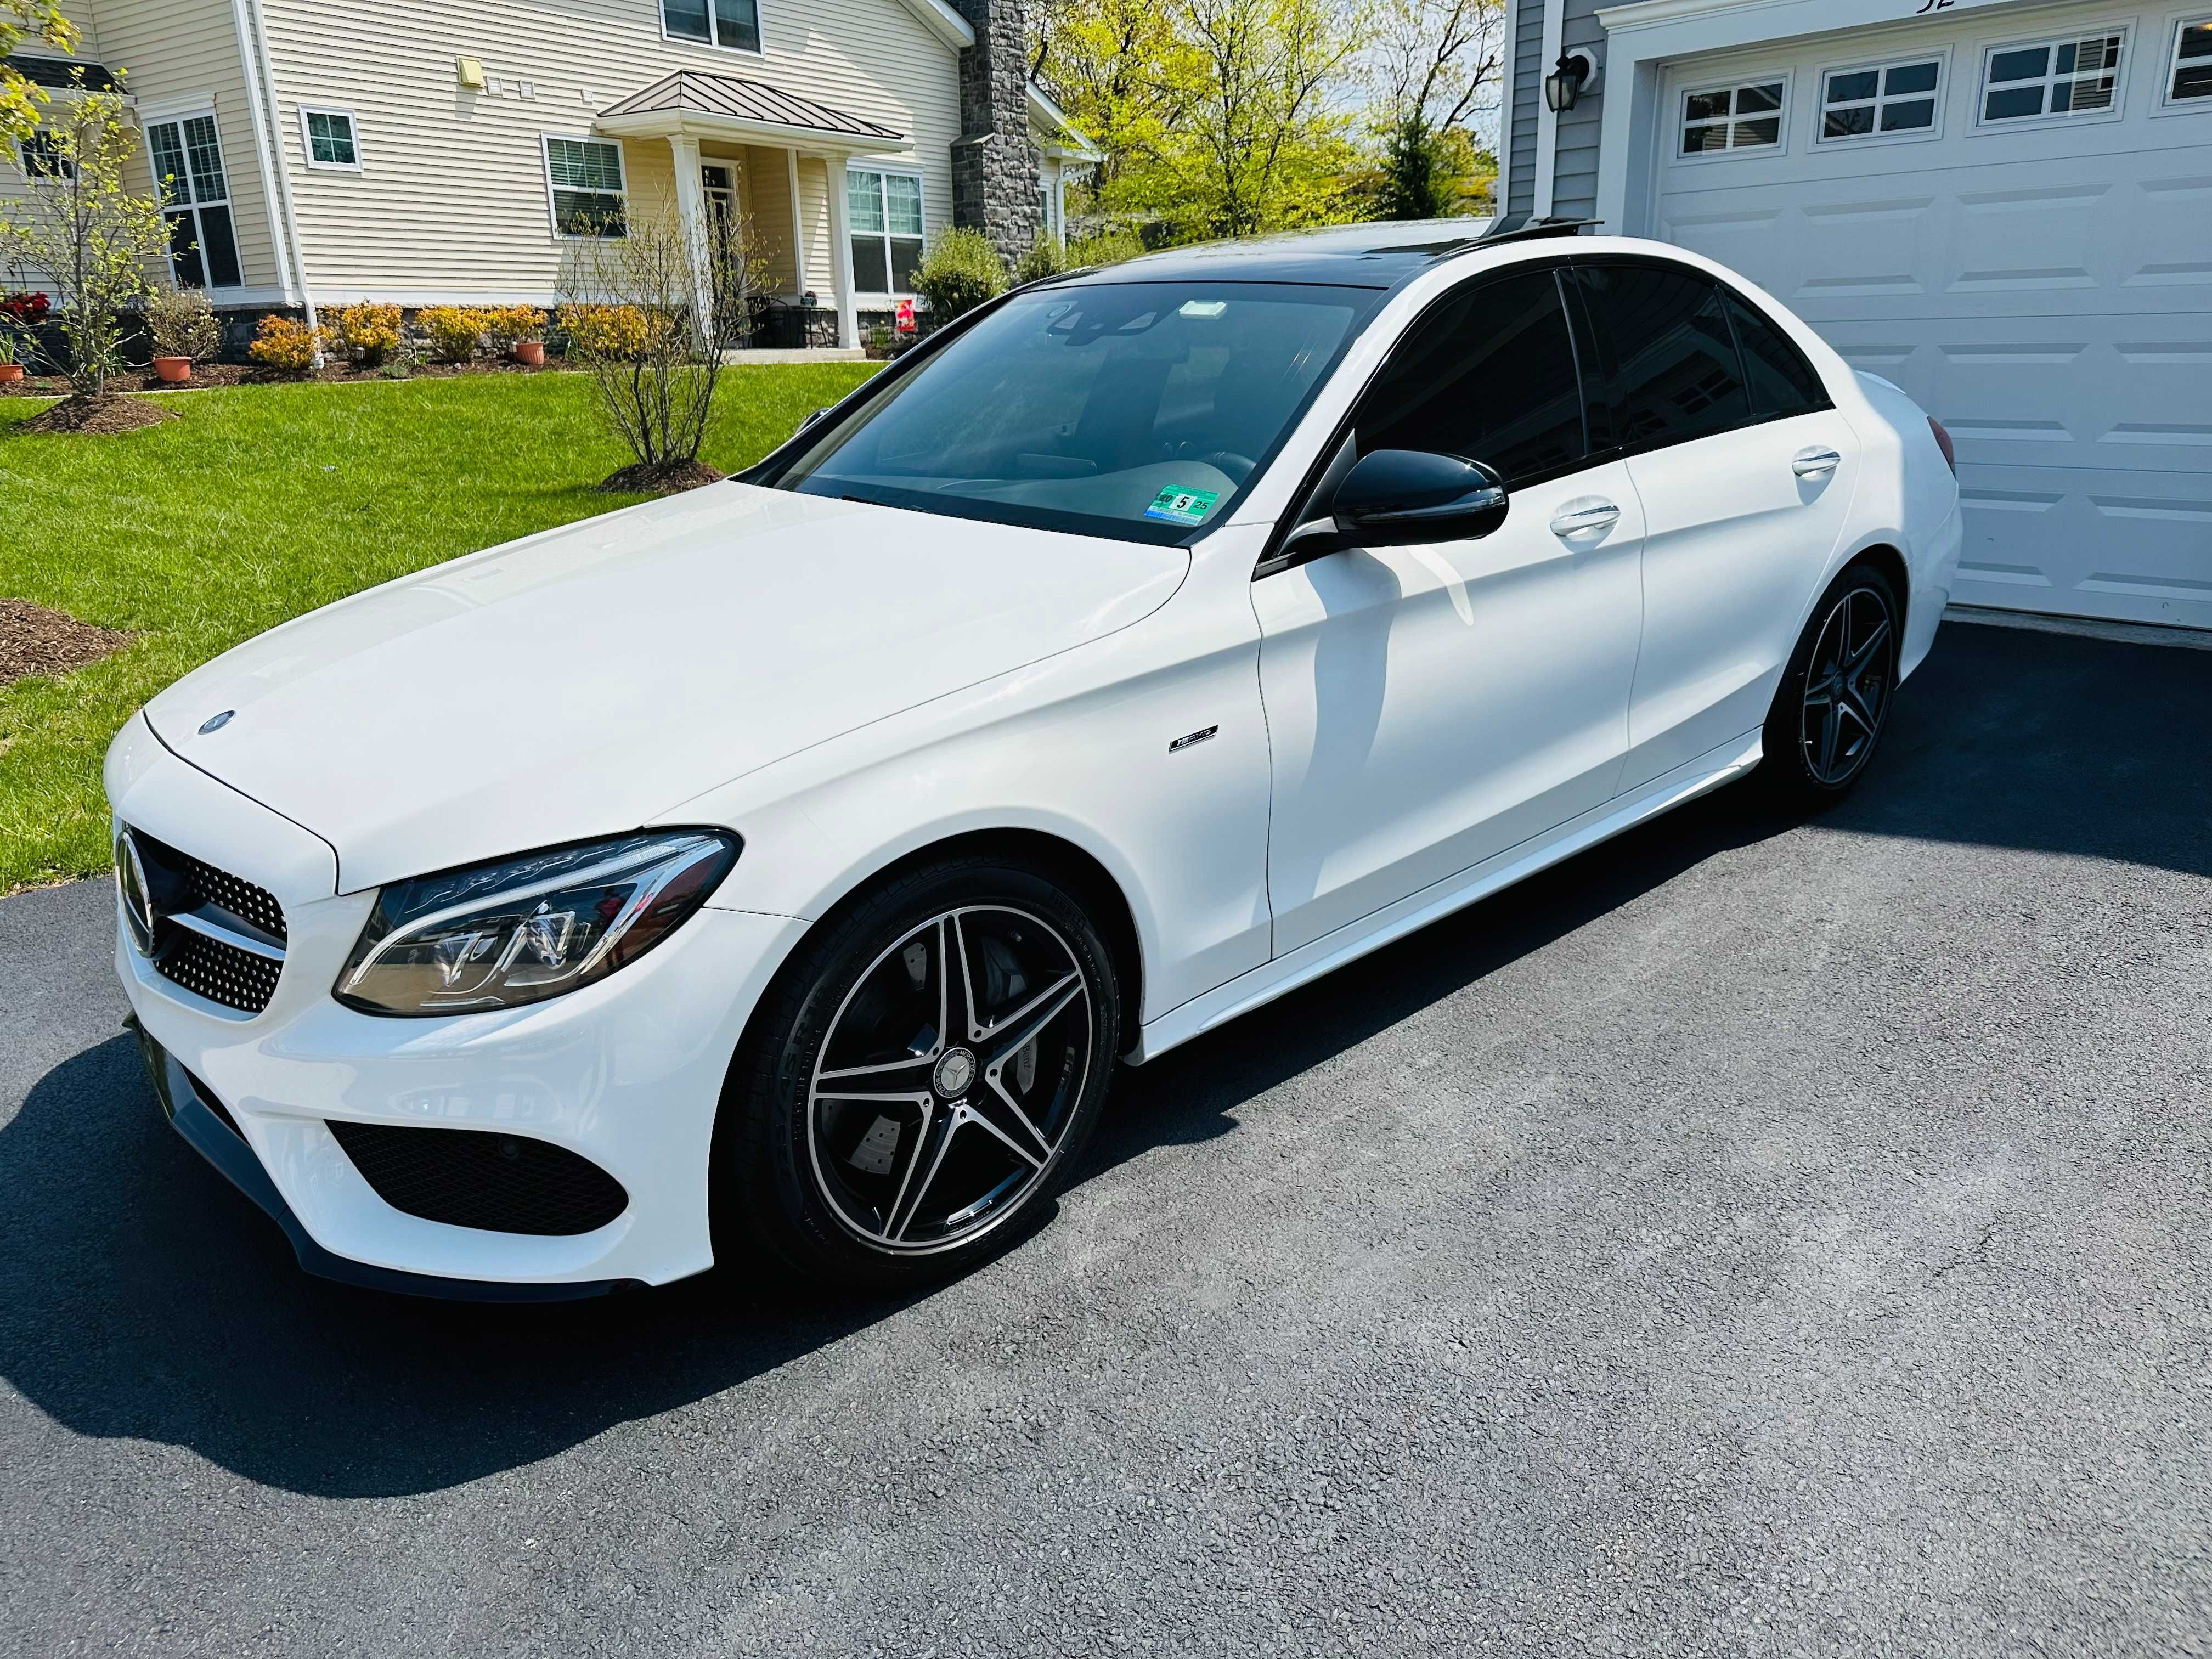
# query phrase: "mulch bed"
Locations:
[[110, 412], [36, 640], [659, 478], [219, 374]]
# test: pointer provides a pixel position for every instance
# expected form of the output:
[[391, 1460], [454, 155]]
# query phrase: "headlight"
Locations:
[[523, 929]]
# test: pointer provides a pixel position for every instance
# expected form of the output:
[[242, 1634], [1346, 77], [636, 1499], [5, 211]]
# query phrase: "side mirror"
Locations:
[[1393, 496]]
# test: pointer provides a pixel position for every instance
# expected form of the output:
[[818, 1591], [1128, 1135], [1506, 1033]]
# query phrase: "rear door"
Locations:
[[1745, 471], [1431, 706]]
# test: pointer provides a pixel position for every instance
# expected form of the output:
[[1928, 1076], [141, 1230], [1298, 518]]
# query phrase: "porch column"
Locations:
[[691, 216], [841, 232], [1059, 201], [798, 228]]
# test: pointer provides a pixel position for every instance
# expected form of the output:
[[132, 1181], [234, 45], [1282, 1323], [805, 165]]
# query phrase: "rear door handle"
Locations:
[[1815, 463], [1586, 516]]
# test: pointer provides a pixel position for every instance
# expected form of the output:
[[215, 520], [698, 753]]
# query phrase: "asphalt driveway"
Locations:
[[1748, 1238]]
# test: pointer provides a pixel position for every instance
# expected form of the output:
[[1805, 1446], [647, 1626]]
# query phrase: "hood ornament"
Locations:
[[216, 722]]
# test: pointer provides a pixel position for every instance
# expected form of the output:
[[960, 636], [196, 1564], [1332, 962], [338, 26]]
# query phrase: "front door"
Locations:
[[1429, 707]]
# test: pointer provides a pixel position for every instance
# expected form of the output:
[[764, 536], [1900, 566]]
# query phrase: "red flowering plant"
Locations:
[[25, 310]]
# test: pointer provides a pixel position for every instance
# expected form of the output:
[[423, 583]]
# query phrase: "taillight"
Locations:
[[1943, 443]]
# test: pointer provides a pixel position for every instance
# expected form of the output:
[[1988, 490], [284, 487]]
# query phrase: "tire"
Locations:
[[875, 1133], [1834, 703]]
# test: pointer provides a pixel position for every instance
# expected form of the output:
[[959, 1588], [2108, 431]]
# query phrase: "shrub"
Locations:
[[182, 323], [1046, 257], [281, 342], [1104, 247], [960, 271], [510, 325], [611, 333], [366, 333], [456, 332]]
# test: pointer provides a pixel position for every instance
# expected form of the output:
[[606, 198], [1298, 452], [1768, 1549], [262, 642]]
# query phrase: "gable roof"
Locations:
[[695, 92]]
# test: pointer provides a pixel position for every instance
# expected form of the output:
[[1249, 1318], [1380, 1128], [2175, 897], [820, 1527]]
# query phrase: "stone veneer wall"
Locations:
[[994, 165]]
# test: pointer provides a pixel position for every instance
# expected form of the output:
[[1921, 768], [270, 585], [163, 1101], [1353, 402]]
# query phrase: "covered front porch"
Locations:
[[723, 150]]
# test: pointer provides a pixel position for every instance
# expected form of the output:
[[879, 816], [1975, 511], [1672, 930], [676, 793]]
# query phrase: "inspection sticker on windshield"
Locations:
[[1182, 505]]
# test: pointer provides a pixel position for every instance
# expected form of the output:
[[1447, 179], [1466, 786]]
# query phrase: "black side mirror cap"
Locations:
[[1397, 496]]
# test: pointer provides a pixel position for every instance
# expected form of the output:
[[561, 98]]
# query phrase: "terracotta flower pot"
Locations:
[[10, 373], [530, 353], [174, 370]]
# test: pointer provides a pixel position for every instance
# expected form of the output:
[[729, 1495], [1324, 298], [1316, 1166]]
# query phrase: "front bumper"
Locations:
[[627, 1072]]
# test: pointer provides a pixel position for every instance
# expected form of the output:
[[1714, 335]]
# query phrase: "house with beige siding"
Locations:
[[322, 152]]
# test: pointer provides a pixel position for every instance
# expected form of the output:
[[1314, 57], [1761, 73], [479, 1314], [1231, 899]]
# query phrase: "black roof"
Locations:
[[61, 72], [1380, 254]]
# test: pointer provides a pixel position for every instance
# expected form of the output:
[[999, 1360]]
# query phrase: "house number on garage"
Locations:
[[1928, 6]]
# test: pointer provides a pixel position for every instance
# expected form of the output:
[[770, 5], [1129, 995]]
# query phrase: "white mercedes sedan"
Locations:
[[778, 872]]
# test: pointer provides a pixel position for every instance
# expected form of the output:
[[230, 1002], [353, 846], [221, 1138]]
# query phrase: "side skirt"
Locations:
[[1348, 944]]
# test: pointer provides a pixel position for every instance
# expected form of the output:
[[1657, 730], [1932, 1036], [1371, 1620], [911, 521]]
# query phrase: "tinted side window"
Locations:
[[1781, 381], [1489, 375], [1671, 370]]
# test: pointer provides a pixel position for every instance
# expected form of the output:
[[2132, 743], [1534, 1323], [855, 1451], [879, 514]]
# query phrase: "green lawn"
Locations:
[[260, 502]]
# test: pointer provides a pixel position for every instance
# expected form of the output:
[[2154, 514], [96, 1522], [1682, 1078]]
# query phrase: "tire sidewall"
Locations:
[[772, 1180]]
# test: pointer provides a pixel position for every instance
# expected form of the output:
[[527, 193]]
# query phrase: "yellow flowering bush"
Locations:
[[456, 332], [508, 325], [368, 333], [618, 332], [281, 342]]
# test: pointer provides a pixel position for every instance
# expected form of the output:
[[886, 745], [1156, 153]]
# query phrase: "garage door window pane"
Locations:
[[1910, 115], [2058, 77], [1859, 103], [1670, 367], [1489, 376], [1909, 77], [1717, 120], [2192, 60]]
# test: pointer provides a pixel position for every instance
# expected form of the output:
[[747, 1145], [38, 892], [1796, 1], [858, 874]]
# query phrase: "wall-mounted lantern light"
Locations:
[[1575, 73]]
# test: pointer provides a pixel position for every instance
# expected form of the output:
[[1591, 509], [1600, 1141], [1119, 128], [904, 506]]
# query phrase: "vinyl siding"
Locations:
[[181, 55], [1574, 181], [452, 198], [1528, 68]]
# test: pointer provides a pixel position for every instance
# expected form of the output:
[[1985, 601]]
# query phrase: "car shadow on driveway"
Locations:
[[140, 1295]]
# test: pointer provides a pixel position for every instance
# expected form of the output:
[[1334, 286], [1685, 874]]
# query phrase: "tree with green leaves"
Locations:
[[85, 232], [1435, 68], [20, 101]]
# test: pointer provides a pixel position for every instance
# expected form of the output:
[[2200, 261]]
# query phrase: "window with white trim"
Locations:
[[2191, 75], [731, 23], [885, 210], [1747, 116], [1880, 99], [585, 176], [329, 137], [196, 201], [40, 156], [2052, 77]]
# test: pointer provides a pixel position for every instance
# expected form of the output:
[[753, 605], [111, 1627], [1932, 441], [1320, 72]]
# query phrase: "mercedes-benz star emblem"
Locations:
[[216, 722], [138, 911], [954, 1072]]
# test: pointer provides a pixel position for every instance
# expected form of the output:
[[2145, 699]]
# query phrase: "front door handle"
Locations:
[[1581, 517], [1815, 463]]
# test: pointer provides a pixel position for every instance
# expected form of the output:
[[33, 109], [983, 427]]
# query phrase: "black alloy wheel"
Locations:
[[1834, 703], [923, 1073]]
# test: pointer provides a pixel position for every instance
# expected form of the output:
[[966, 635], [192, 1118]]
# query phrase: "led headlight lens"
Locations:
[[523, 929]]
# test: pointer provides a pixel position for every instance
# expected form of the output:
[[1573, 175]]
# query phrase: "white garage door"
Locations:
[[2010, 216]]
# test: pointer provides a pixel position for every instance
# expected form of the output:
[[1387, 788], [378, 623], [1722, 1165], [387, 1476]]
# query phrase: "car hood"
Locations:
[[583, 681]]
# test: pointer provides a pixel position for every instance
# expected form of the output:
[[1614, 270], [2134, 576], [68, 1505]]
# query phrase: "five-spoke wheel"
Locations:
[[1834, 699], [927, 1067]]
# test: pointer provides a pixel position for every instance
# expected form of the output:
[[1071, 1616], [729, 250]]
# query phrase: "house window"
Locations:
[[732, 23], [196, 201], [2192, 60], [885, 208], [329, 134], [2052, 77], [585, 176], [42, 158], [1886, 98], [1746, 117]]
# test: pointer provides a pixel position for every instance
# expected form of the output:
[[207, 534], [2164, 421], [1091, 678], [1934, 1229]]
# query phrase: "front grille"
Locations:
[[221, 972], [201, 882], [479, 1178], [238, 972]]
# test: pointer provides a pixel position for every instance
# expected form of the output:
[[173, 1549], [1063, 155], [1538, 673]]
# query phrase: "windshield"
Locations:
[[1135, 410]]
